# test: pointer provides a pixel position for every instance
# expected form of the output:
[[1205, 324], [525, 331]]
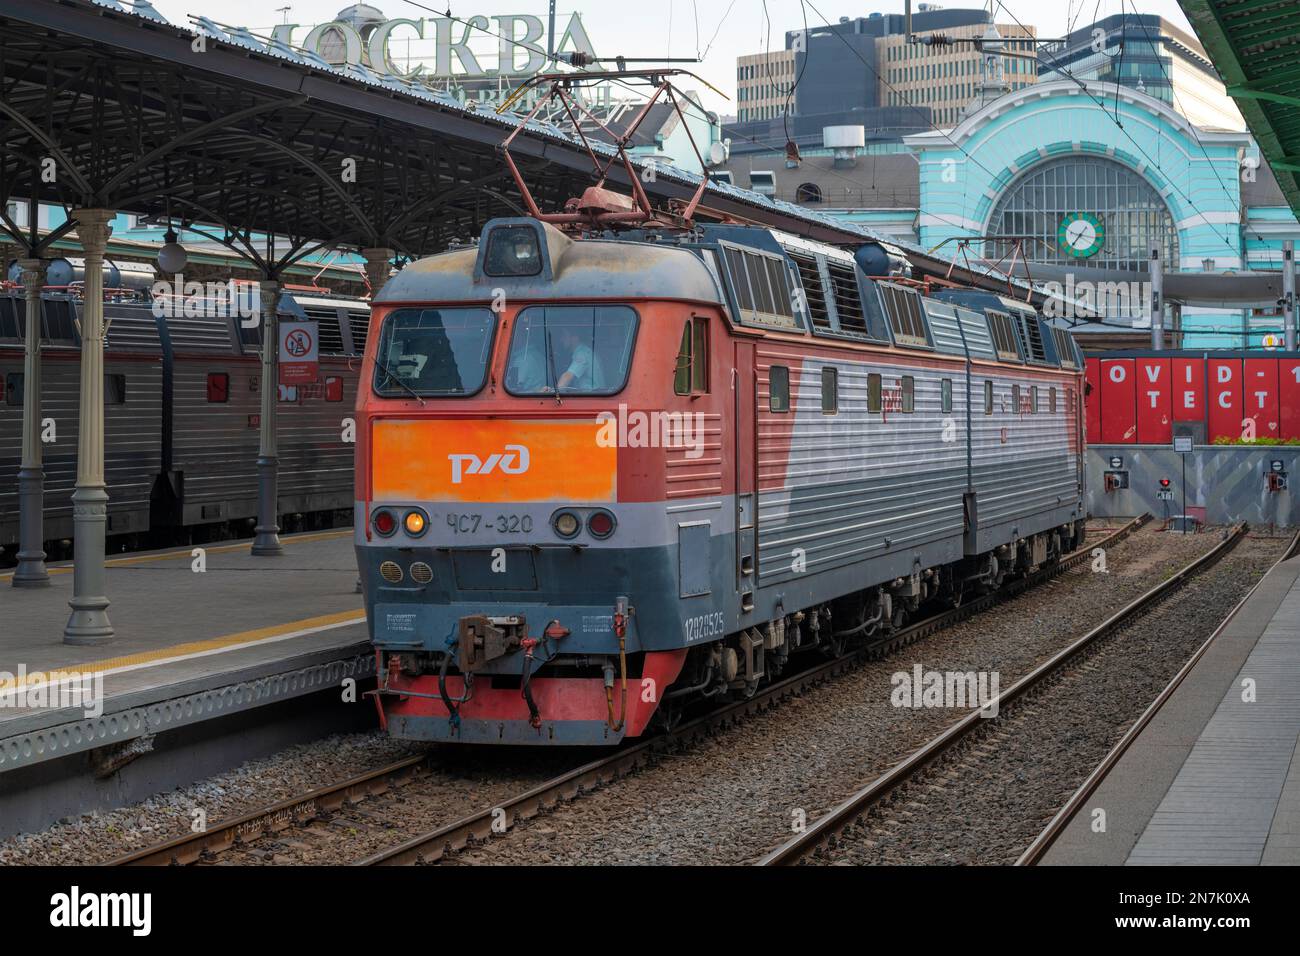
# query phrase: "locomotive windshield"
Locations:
[[583, 350], [434, 352]]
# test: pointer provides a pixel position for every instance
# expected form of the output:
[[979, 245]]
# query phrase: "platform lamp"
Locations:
[[172, 256]]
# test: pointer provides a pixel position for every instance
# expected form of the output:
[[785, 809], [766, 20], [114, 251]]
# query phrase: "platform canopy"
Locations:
[[1255, 44], [107, 105]]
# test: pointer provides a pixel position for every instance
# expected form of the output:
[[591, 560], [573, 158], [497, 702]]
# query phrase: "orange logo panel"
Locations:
[[481, 461]]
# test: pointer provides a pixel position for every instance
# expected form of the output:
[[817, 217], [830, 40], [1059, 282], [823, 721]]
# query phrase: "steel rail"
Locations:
[[1044, 841], [481, 826], [837, 820], [265, 821]]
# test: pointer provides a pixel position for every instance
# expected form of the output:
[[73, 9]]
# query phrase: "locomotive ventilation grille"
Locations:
[[391, 572], [421, 573]]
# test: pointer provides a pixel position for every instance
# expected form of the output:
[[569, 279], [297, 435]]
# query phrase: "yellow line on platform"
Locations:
[[188, 553], [177, 652]]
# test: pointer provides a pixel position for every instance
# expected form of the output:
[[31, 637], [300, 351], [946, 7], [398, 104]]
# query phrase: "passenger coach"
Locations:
[[598, 478]]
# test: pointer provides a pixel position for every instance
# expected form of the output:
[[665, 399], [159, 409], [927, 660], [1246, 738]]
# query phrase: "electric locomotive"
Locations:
[[601, 477]]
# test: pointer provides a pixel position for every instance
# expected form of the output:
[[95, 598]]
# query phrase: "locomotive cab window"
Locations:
[[692, 372], [434, 352], [779, 389], [572, 350]]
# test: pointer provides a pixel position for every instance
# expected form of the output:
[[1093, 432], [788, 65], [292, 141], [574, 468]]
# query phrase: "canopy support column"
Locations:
[[378, 266], [31, 572], [89, 622], [1288, 294], [266, 541], [1157, 303]]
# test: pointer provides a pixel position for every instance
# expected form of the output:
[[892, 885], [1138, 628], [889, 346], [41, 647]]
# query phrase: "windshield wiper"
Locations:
[[390, 377]]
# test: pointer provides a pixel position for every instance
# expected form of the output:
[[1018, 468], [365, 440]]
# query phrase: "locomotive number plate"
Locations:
[[472, 524]]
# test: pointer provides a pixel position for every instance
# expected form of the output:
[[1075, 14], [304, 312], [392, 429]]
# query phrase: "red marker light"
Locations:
[[385, 523], [601, 524], [1164, 482]]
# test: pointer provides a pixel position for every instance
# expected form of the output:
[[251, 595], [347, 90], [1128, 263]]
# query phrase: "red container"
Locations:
[[1092, 407], [1260, 396], [1189, 389], [1154, 400], [1225, 378], [1118, 406], [1288, 388]]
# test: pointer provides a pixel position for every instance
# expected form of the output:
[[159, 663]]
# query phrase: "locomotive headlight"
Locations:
[[566, 524], [416, 523]]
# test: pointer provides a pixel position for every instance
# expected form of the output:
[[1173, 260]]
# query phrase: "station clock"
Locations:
[[1081, 234]]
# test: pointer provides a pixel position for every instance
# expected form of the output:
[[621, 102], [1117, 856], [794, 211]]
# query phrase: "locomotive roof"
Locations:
[[570, 269]]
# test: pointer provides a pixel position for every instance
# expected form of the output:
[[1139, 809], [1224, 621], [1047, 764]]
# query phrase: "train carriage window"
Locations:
[[218, 387], [874, 403], [778, 389], [434, 352], [691, 376], [909, 394], [13, 383], [9, 308], [572, 350], [830, 391], [988, 398], [946, 394], [115, 389]]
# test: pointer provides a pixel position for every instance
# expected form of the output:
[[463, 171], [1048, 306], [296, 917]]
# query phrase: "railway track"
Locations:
[[268, 822], [1043, 842], [830, 826]]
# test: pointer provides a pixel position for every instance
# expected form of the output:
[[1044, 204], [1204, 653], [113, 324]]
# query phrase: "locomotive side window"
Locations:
[[909, 394], [873, 393], [830, 391], [1015, 399], [115, 389], [1051, 399], [779, 389], [574, 350], [434, 352], [945, 387], [513, 251], [1033, 399], [9, 318], [14, 389], [692, 372], [218, 387], [988, 397]]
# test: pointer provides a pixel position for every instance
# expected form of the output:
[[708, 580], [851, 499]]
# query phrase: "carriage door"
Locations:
[[745, 398]]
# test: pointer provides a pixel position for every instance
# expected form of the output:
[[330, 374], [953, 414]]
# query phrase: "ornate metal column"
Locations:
[[378, 265], [266, 539], [31, 571], [89, 623]]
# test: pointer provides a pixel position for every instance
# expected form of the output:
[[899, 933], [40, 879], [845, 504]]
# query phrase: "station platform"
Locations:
[[245, 633], [1214, 778]]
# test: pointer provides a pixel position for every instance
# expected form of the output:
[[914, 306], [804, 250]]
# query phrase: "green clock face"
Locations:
[[1081, 234]]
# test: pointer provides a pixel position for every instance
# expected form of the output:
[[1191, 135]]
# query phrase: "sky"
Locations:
[[716, 30]]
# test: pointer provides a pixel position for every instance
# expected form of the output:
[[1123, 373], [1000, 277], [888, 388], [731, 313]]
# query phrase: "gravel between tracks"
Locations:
[[986, 800], [732, 798]]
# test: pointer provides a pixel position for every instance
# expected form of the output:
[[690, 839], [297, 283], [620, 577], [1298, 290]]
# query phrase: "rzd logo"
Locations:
[[514, 461]]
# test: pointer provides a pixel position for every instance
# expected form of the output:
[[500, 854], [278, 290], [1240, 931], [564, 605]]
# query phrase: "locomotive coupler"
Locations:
[[484, 639]]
